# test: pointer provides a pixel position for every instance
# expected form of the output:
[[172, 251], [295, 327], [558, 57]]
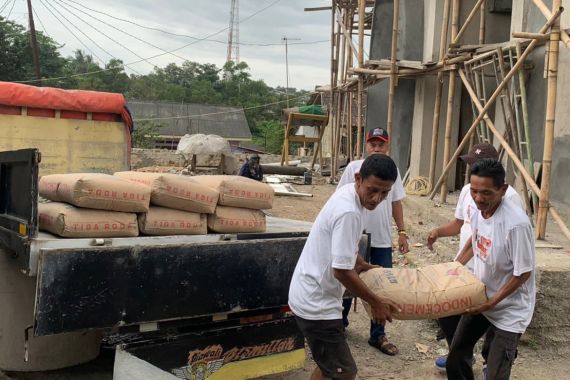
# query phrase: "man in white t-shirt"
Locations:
[[330, 263], [378, 223], [462, 225], [502, 248]]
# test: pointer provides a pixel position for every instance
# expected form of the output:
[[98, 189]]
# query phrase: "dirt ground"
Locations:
[[415, 339], [411, 337]]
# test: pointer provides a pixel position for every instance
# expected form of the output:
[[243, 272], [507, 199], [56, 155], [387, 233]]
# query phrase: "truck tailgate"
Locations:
[[101, 287]]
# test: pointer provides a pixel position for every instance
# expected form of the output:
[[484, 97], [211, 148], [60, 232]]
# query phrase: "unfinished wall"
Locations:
[[497, 29], [410, 47], [527, 18]]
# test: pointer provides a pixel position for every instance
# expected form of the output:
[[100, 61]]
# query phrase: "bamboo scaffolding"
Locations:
[[544, 196], [530, 181], [524, 109], [450, 99], [476, 8], [393, 68], [438, 92], [548, 14], [491, 101], [482, 23]]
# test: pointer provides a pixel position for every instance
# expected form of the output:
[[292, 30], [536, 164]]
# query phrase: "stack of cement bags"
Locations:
[[240, 203], [126, 203], [91, 205], [179, 204]]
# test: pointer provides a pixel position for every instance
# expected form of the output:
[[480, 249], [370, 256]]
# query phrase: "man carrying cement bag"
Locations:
[[378, 223], [461, 226], [502, 248], [330, 262]]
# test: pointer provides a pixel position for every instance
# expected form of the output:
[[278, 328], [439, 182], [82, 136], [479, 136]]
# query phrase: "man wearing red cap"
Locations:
[[379, 224], [462, 225]]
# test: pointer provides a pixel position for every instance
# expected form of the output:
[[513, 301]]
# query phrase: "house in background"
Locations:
[[178, 119]]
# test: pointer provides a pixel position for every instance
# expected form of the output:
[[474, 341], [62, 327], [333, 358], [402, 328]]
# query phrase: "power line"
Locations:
[[110, 38], [41, 23], [220, 113], [154, 56], [4, 6], [184, 35], [11, 9], [120, 30], [70, 31]]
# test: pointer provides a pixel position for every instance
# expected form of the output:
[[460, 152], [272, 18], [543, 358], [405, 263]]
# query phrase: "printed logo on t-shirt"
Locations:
[[483, 245]]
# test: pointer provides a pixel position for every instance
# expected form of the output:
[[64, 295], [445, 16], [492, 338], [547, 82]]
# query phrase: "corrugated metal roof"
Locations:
[[228, 122]]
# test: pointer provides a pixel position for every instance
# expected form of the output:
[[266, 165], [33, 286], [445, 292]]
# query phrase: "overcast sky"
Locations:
[[308, 63]]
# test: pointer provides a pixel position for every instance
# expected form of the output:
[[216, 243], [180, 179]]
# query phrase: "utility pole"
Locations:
[[34, 44], [286, 40], [233, 33]]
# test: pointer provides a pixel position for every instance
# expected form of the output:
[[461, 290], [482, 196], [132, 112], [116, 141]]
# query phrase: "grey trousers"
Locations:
[[499, 349]]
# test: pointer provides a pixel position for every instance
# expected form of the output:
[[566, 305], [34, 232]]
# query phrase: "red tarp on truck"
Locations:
[[21, 95]]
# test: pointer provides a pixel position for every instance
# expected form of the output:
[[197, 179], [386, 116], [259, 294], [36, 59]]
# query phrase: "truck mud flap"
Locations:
[[239, 353], [103, 287]]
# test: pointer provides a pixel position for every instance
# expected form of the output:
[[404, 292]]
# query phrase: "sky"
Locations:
[[72, 24]]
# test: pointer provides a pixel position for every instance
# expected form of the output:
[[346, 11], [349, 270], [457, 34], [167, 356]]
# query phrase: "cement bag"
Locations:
[[235, 220], [431, 292], [97, 191], [176, 191], [165, 221], [69, 221], [237, 191]]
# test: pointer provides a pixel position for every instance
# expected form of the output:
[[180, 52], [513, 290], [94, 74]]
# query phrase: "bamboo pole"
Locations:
[[349, 124], [524, 107], [482, 24], [393, 68], [450, 99], [468, 21], [548, 14], [531, 36], [361, 9], [530, 181], [438, 91], [549, 125], [491, 101]]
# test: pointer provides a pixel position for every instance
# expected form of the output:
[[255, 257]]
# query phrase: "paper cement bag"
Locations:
[[235, 220], [166, 221], [431, 292], [236, 191], [69, 221], [176, 191], [96, 191]]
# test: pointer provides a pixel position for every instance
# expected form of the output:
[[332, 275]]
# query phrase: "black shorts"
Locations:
[[328, 345]]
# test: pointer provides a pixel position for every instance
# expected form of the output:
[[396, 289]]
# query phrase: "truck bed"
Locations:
[[44, 241]]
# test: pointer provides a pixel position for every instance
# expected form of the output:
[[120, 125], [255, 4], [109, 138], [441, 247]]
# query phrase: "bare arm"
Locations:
[[513, 284], [398, 215], [466, 253], [450, 229]]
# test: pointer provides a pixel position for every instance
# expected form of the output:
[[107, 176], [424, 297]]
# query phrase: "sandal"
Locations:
[[384, 346]]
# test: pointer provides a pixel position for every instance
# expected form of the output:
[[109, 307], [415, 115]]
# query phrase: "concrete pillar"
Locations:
[[410, 47]]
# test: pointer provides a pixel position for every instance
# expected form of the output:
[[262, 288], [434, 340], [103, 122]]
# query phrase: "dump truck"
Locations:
[[193, 307]]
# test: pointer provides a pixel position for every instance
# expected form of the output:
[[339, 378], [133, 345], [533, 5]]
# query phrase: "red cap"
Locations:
[[377, 134]]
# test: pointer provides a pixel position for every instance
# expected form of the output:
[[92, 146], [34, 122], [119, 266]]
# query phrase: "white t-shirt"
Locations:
[[377, 222], [503, 246], [466, 207], [315, 293]]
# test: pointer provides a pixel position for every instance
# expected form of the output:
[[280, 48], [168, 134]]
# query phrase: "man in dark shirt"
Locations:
[[252, 169]]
